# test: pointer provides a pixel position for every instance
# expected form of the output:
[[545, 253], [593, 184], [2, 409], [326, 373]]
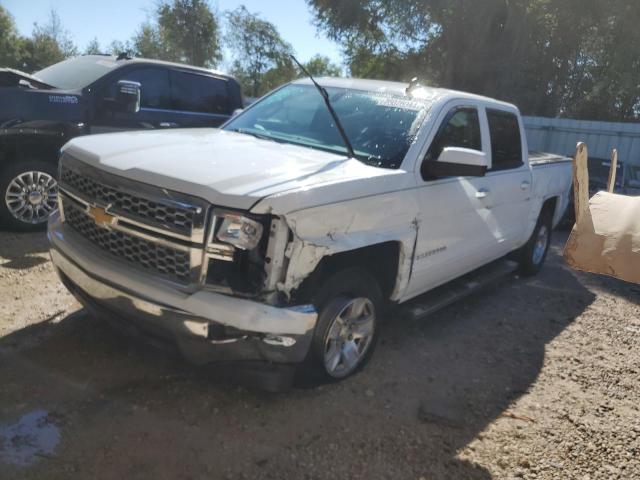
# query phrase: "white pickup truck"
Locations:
[[281, 238]]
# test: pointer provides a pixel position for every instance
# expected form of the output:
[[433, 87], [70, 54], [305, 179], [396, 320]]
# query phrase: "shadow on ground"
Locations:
[[128, 411], [24, 250]]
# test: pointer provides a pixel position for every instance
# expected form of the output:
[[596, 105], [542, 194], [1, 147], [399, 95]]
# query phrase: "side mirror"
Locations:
[[237, 112], [128, 96], [457, 162]]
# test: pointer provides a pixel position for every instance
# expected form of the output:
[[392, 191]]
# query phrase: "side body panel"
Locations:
[[36, 123]]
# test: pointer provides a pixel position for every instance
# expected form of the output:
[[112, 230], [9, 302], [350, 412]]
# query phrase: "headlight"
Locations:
[[239, 231]]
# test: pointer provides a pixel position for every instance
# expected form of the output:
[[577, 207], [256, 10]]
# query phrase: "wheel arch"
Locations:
[[382, 260], [549, 207]]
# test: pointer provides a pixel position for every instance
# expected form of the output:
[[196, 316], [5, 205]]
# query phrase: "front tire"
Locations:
[[28, 192], [534, 253], [349, 305]]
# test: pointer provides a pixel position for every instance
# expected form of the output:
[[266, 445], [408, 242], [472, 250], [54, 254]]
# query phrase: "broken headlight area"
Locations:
[[241, 232], [235, 252]]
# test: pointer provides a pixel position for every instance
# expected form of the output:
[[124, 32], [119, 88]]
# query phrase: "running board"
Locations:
[[443, 296]]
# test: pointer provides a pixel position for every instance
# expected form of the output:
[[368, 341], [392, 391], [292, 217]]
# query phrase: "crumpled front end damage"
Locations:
[[301, 241]]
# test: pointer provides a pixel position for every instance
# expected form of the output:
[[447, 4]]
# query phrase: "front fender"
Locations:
[[341, 227]]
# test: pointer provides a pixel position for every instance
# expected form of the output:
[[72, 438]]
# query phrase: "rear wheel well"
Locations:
[[549, 207], [380, 260]]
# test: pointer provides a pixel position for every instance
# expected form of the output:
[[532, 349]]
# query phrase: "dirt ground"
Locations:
[[533, 378]]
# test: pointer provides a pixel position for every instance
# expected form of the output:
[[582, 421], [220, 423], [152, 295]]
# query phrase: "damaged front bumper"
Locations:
[[205, 326]]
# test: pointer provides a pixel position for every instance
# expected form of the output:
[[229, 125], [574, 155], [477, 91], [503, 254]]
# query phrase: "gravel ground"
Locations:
[[534, 378]]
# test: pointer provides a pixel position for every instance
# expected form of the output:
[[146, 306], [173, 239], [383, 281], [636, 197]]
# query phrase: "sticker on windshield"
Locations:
[[63, 99], [392, 101]]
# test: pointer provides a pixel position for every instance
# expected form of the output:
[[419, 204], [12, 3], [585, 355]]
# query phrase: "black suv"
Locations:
[[92, 94]]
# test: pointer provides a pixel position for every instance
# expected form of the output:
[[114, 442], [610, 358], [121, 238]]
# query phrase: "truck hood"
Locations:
[[225, 168], [11, 78]]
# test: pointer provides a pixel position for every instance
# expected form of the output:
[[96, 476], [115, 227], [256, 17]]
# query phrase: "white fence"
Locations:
[[559, 135]]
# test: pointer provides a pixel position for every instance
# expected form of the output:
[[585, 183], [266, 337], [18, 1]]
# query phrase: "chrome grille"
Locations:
[[167, 261], [156, 207]]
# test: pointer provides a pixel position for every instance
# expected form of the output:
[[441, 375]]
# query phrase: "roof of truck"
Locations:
[[128, 61], [397, 88]]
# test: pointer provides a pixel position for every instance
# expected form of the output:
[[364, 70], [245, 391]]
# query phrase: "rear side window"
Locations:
[[460, 128], [192, 92], [506, 143]]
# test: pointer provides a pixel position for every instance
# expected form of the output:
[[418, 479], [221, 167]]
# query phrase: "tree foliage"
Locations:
[[48, 44], [261, 58], [10, 45], [321, 66], [93, 48], [189, 32], [148, 43], [551, 57]]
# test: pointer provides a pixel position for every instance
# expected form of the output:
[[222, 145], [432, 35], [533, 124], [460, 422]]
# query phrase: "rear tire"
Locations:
[[28, 193], [532, 256], [349, 305]]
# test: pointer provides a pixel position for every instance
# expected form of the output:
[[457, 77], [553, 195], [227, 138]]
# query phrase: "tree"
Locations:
[[49, 43], [117, 47], [189, 32], [321, 66], [148, 43], [10, 42], [551, 57], [93, 48], [261, 58]]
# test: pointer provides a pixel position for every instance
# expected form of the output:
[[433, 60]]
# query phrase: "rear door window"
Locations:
[[193, 92], [506, 142]]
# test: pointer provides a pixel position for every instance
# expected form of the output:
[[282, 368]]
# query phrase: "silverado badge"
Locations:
[[100, 216]]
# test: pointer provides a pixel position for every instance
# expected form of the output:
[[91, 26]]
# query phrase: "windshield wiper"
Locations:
[[261, 136], [327, 102]]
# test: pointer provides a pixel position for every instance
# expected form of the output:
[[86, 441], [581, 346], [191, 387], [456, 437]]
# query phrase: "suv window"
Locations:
[[460, 128], [506, 143], [192, 92], [154, 85]]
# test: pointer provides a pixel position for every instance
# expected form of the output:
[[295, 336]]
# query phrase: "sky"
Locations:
[[119, 20]]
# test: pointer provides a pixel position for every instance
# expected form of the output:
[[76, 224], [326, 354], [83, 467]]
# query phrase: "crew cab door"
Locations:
[[155, 102], [455, 233], [507, 185]]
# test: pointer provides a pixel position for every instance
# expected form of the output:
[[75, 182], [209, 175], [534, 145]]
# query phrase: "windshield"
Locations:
[[381, 127], [76, 73]]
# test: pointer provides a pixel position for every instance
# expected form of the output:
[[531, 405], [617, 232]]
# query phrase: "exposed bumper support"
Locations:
[[206, 326]]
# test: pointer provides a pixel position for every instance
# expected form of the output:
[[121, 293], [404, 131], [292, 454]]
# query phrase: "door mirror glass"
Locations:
[[458, 162], [128, 96]]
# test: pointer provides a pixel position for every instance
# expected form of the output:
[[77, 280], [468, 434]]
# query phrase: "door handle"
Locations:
[[482, 193], [525, 185], [168, 125]]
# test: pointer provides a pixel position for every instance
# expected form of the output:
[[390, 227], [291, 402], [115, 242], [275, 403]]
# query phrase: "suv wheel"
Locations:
[[349, 303], [28, 195]]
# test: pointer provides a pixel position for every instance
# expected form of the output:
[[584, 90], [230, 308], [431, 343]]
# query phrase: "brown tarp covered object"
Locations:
[[606, 236]]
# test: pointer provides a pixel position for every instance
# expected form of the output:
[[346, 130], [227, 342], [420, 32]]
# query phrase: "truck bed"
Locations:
[[541, 158]]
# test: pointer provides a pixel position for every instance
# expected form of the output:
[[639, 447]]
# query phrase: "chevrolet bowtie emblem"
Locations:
[[100, 216]]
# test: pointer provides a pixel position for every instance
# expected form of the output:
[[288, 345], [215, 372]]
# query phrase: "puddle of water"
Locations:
[[26, 441]]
